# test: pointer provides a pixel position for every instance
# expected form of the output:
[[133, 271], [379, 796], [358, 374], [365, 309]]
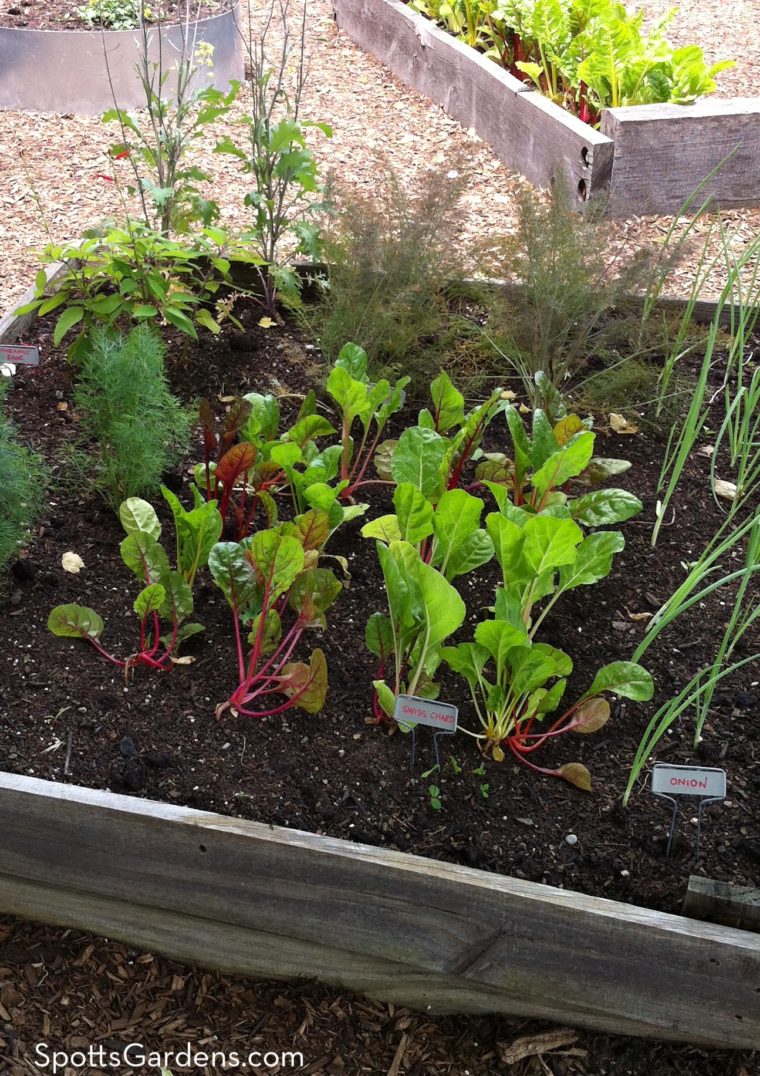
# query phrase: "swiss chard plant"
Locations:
[[434, 454], [516, 681], [447, 534], [276, 592], [550, 464], [420, 540], [584, 55], [248, 462], [424, 609], [362, 402], [166, 597]]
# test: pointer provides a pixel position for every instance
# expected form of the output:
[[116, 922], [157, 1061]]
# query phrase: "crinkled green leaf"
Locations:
[[604, 506], [624, 678], [75, 622], [417, 459], [137, 516], [593, 560]]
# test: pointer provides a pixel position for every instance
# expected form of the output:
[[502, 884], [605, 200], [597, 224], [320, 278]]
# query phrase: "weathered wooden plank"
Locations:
[[723, 902], [13, 325], [510, 945], [662, 152], [526, 130]]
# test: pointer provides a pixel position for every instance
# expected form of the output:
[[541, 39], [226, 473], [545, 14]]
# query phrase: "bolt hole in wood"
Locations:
[[585, 157], [202, 847], [582, 190]]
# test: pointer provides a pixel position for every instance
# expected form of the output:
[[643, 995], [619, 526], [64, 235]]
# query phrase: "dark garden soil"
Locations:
[[65, 14], [66, 715]]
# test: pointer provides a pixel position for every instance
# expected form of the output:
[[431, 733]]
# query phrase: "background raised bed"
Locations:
[[647, 158], [66, 70]]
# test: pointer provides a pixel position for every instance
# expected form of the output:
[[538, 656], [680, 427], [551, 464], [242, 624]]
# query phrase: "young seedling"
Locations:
[[371, 404], [166, 596]]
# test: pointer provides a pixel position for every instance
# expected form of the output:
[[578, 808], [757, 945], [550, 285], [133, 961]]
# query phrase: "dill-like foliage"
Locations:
[[22, 486], [132, 426]]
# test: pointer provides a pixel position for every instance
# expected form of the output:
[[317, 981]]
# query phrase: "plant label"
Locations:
[[702, 781], [411, 710], [19, 355]]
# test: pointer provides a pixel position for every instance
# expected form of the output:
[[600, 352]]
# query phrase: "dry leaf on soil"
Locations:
[[620, 424], [726, 490], [531, 1045], [72, 562]]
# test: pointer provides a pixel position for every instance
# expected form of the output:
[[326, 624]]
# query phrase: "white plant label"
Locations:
[[411, 710], [19, 355], [703, 781]]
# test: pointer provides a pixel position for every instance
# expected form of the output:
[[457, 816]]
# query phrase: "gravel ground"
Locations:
[[371, 113]]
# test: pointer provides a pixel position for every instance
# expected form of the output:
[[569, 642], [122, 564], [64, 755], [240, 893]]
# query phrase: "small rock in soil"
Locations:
[[158, 760], [24, 570], [571, 839], [127, 747]]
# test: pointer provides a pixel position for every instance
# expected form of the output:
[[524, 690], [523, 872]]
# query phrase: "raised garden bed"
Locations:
[[242, 897], [66, 71], [645, 159], [493, 943]]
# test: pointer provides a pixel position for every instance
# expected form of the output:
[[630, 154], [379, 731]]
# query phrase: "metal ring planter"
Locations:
[[66, 71]]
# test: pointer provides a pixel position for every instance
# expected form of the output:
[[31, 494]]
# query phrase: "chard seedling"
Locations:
[[370, 404], [276, 592], [544, 464], [423, 610], [166, 595]]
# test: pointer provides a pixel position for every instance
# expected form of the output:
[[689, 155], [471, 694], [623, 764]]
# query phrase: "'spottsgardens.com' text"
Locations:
[[136, 1056]]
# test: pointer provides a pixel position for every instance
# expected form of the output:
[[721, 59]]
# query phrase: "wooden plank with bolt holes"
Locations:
[[663, 151], [526, 130], [236, 895]]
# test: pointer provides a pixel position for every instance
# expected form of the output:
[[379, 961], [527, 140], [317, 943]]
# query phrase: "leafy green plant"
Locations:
[[135, 274], [131, 426], [394, 269], [166, 596], [22, 485], [514, 680], [249, 461], [155, 143], [544, 464], [283, 198], [111, 14], [372, 404], [263, 578], [447, 535], [424, 609], [584, 56]]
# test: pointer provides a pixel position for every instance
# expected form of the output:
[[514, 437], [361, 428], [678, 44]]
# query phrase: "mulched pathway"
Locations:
[[74, 992]]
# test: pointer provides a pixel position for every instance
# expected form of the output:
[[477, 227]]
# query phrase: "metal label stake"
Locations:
[[704, 783], [411, 711]]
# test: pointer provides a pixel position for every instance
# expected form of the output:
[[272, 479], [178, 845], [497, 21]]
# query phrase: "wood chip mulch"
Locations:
[[74, 993], [54, 161]]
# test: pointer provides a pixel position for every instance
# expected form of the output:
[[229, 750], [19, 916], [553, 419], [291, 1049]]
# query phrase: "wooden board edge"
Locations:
[[240, 951], [12, 325], [14, 788]]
